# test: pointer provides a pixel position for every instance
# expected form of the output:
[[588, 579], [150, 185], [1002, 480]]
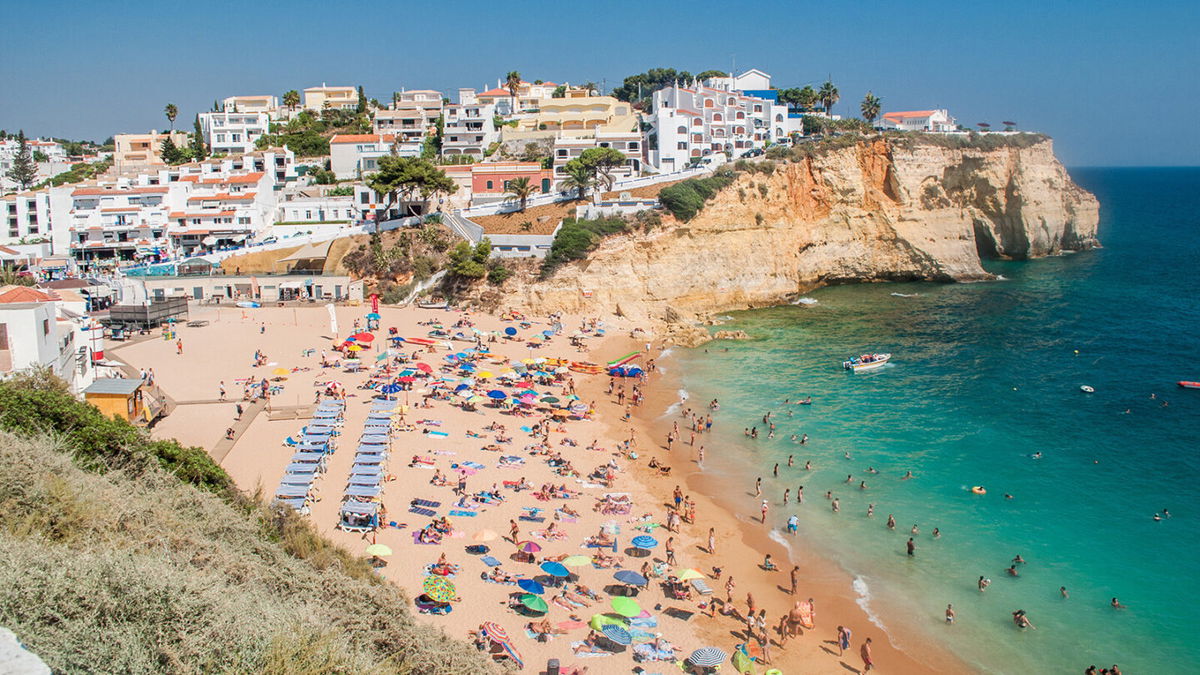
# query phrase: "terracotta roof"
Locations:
[[909, 113], [224, 197], [362, 138], [246, 178], [15, 294], [184, 214], [9, 251]]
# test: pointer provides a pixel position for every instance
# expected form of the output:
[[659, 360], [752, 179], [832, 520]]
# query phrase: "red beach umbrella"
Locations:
[[363, 337], [424, 367]]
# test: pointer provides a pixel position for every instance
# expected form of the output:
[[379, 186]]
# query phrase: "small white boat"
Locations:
[[433, 305], [1087, 389], [866, 362]]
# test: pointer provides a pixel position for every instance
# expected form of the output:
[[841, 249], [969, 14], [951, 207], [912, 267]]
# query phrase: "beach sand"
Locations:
[[223, 351]]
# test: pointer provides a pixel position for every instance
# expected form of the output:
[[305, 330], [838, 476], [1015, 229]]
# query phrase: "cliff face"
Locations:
[[875, 211]]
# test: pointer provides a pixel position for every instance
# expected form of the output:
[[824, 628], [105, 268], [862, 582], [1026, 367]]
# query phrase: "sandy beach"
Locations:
[[444, 436]]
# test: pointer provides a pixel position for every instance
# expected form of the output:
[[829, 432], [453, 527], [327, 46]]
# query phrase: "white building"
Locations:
[[34, 332], [920, 120], [318, 211], [250, 104], [233, 133], [469, 129], [411, 119], [631, 144], [357, 155], [751, 80], [26, 216], [693, 123], [49, 156]]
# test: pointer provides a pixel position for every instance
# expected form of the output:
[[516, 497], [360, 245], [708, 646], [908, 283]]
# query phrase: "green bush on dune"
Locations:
[[110, 562]]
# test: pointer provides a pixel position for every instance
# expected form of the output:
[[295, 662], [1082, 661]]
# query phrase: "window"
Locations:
[[682, 145], [681, 130], [633, 145], [3, 336], [489, 185], [308, 215], [45, 326]]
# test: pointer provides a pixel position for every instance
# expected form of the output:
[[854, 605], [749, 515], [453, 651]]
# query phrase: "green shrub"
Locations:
[[497, 272], [576, 238], [687, 198]]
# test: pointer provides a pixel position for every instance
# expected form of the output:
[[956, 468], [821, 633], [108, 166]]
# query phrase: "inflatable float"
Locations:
[[624, 359], [586, 368], [1087, 389], [979, 490]]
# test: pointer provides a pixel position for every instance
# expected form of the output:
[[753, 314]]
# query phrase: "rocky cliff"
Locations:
[[876, 210]]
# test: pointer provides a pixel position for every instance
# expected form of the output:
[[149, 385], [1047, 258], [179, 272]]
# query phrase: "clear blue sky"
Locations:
[[1116, 83]]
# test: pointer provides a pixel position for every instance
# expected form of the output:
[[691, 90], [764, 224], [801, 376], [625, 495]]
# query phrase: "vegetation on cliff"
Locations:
[[685, 199], [123, 554]]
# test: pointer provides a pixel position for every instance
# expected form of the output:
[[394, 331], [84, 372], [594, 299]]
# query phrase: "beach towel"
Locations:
[[465, 514], [644, 621], [585, 655], [422, 512], [474, 465], [426, 502], [416, 535], [533, 519], [527, 430], [437, 434], [570, 625], [490, 561]]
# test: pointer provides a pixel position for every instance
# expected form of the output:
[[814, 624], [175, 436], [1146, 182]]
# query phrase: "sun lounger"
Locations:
[[298, 468], [701, 587], [289, 441], [296, 503]]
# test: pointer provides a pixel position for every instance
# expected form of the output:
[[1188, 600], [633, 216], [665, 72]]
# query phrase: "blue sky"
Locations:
[[1116, 83]]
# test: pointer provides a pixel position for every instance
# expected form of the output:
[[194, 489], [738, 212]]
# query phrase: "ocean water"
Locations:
[[984, 376]]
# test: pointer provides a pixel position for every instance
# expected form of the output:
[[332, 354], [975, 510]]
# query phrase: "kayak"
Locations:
[[1189, 385]]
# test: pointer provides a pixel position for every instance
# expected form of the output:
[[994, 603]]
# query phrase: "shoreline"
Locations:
[[821, 578]]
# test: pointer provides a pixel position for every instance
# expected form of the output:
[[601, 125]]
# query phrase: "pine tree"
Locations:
[[362, 101], [170, 152], [24, 169], [199, 152]]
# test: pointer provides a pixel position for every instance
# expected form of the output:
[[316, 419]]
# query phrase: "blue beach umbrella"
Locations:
[[466, 366], [373, 315], [630, 577], [555, 569], [531, 586], [510, 331], [617, 634], [496, 394], [390, 388], [462, 386], [644, 541]]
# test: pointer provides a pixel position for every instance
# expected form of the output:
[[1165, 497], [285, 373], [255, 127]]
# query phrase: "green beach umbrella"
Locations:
[[625, 606], [577, 561], [534, 603]]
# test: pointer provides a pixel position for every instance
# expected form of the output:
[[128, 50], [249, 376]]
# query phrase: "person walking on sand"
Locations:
[[670, 547], [865, 652], [843, 639], [729, 586], [765, 507], [712, 541], [221, 391], [758, 487], [179, 347], [514, 531], [795, 578]]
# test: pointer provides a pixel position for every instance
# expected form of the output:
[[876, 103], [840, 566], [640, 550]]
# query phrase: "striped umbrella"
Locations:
[[644, 541], [494, 631], [617, 634], [530, 547], [513, 653], [707, 657]]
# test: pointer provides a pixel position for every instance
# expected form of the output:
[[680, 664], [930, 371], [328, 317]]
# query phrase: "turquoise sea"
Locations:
[[984, 376]]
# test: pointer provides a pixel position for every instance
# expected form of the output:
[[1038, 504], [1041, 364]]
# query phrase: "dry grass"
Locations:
[[644, 192], [259, 262], [141, 573], [544, 219]]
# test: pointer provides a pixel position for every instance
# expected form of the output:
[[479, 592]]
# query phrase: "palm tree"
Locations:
[[578, 179], [512, 82], [172, 112], [870, 107], [291, 99], [521, 190], [591, 87], [828, 95]]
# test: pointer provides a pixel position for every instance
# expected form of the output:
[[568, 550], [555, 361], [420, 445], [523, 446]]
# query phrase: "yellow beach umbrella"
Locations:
[[577, 561], [687, 574], [378, 550], [484, 374], [281, 371], [354, 348]]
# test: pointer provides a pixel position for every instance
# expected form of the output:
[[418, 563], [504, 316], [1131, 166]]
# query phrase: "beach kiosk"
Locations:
[[119, 396]]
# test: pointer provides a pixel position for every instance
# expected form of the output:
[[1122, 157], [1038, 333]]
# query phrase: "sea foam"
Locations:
[[804, 301], [777, 537], [864, 600]]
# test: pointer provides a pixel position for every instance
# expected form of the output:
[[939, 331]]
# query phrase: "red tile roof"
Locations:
[[362, 138], [910, 113], [17, 294]]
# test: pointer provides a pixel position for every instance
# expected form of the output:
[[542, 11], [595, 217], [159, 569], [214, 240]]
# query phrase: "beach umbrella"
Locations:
[[484, 374], [378, 550], [363, 337], [424, 367], [281, 371], [390, 388], [529, 547], [617, 634], [440, 589], [497, 394], [354, 348], [406, 379], [484, 535], [466, 366], [531, 586], [533, 602], [707, 657], [494, 631], [687, 574], [625, 606], [577, 561], [512, 653], [477, 399], [630, 577], [555, 569], [382, 356], [510, 331], [644, 541], [373, 315]]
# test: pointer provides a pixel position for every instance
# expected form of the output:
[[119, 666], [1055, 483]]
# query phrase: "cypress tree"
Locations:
[[199, 152], [362, 101], [24, 169]]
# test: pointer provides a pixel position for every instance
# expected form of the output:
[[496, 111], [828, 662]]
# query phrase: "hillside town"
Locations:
[[151, 216]]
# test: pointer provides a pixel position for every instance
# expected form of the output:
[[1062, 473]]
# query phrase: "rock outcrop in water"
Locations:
[[878, 210]]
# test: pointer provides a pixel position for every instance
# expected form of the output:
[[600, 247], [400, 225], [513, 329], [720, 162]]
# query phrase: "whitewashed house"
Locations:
[[233, 133], [920, 120]]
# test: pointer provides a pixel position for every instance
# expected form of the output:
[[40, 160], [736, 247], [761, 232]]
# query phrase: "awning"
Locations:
[[291, 284], [209, 240], [310, 252]]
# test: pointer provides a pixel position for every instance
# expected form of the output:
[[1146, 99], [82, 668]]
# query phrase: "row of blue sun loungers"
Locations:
[[364, 487], [313, 446]]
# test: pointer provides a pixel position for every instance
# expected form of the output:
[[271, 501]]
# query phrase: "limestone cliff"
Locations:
[[878, 210]]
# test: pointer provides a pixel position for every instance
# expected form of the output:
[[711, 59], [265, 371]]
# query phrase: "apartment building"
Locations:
[[319, 98], [49, 156], [233, 133], [629, 143], [490, 181], [143, 151], [578, 116], [691, 123], [26, 216], [36, 332], [410, 119], [250, 104], [529, 95], [357, 155], [469, 129]]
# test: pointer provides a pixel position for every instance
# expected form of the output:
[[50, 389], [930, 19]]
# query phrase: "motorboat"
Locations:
[[866, 362], [1189, 385]]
